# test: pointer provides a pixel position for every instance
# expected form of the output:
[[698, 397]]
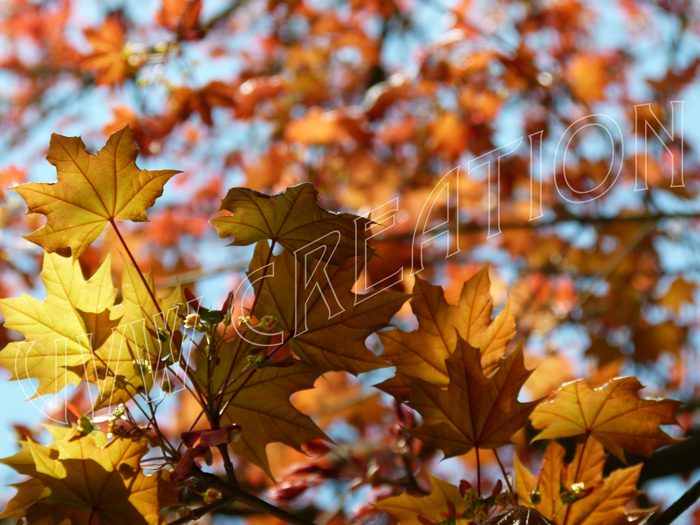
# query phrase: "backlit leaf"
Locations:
[[422, 353], [77, 480], [474, 411], [91, 191], [292, 219], [262, 407], [612, 414], [59, 331], [329, 322], [406, 507]]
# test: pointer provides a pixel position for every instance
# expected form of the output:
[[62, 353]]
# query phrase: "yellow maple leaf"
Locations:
[[60, 331], [606, 500], [84, 479], [91, 192], [407, 507]]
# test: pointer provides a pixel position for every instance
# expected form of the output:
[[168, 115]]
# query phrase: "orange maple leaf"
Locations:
[[108, 60], [611, 414], [422, 353], [474, 411], [599, 501]]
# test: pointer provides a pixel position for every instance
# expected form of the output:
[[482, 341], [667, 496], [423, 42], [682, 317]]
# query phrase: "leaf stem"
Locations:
[[151, 293], [576, 475], [478, 473], [219, 410], [503, 470]]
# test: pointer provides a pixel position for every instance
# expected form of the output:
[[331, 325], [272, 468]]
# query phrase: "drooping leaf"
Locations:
[[611, 414], [59, 331], [77, 480], [262, 407], [294, 220], [329, 322], [474, 411], [600, 501], [422, 353], [91, 191], [406, 508]]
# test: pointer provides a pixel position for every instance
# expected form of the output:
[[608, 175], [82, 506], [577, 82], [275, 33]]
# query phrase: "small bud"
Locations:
[[161, 47], [211, 495], [142, 366], [258, 361], [267, 322], [167, 386], [535, 497], [193, 321], [468, 492], [244, 320], [85, 426]]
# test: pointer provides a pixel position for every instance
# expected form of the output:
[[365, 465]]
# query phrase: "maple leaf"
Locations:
[[406, 507], [292, 219], [611, 414], [60, 331], [262, 407], [474, 411], [181, 16], [108, 59], [300, 301], [422, 353], [91, 192], [136, 338], [606, 500], [87, 478], [588, 463]]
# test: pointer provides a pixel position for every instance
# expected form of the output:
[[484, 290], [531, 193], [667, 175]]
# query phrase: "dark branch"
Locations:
[[679, 507]]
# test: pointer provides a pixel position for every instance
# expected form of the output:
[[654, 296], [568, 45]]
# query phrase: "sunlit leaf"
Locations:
[[612, 414], [91, 191], [474, 411]]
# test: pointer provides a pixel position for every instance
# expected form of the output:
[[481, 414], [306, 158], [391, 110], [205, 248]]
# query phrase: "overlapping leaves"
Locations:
[[327, 321], [423, 352], [261, 405], [603, 500], [474, 411], [80, 480], [78, 333]]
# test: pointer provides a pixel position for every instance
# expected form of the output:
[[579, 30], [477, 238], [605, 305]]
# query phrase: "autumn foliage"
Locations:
[[372, 290]]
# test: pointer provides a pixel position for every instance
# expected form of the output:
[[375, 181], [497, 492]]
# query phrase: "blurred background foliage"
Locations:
[[382, 104]]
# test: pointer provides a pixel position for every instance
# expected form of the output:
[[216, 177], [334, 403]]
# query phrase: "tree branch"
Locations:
[[201, 511], [234, 493], [679, 507], [472, 227]]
